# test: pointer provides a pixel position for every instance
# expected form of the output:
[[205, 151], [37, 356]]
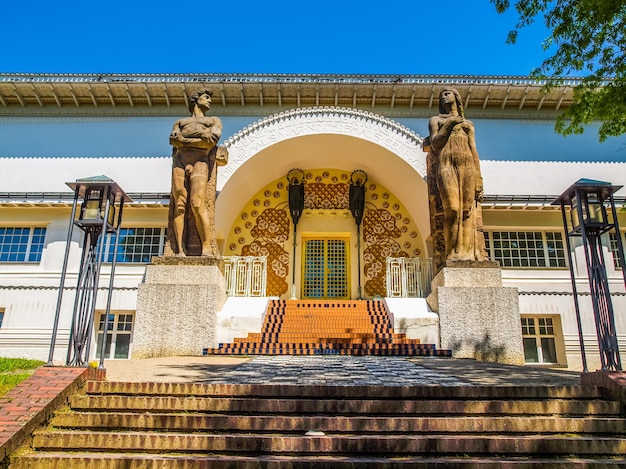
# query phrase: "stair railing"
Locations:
[[408, 277], [245, 275]]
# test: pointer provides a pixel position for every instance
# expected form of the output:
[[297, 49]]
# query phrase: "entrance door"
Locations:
[[325, 268]]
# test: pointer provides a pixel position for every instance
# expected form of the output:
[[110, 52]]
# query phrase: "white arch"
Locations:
[[323, 137], [368, 126]]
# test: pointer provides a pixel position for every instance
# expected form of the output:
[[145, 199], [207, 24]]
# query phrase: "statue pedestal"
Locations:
[[478, 317], [177, 305]]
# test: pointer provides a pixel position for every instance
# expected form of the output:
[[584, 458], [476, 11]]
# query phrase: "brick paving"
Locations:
[[28, 405]]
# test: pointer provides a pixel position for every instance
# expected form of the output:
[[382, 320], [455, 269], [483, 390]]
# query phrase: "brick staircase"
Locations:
[[307, 327], [193, 426]]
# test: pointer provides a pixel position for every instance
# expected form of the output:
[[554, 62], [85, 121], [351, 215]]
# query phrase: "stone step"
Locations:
[[346, 392], [55, 460], [230, 349], [289, 424], [191, 425], [347, 406], [337, 444], [319, 337]]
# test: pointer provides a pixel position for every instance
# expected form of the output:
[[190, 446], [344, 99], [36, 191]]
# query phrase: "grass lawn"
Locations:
[[15, 370]]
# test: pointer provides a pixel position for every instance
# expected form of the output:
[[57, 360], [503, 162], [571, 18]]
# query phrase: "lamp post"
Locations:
[[100, 212], [358, 179], [295, 177], [592, 213]]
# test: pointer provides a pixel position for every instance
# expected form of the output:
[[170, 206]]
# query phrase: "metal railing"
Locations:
[[408, 278], [283, 78], [245, 275]]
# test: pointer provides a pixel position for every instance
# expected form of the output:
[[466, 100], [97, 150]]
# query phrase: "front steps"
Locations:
[[327, 327], [193, 426]]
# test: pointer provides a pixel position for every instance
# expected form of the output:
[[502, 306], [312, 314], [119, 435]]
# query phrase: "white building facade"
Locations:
[[56, 129]]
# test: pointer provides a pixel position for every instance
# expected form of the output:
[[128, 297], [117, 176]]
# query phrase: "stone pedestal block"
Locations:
[[177, 306], [478, 317]]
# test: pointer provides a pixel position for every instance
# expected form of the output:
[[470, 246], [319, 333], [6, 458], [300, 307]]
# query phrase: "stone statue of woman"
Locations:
[[456, 169]]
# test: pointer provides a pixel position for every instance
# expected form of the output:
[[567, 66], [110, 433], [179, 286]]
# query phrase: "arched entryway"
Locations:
[[327, 144]]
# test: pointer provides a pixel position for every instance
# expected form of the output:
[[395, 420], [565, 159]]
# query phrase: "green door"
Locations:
[[325, 269]]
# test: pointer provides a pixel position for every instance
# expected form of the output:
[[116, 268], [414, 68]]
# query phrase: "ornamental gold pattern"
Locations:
[[263, 227]]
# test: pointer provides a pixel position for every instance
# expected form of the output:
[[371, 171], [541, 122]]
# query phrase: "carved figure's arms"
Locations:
[[176, 135], [472, 144], [178, 140], [439, 134], [214, 130]]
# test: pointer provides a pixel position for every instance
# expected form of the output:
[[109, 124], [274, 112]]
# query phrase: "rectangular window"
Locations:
[[119, 335], [526, 249], [1, 316], [539, 338], [528, 326], [556, 249], [617, 262], [21, 244], [137, 245]]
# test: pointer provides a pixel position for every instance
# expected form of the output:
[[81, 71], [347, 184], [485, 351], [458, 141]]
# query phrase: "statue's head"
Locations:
[[193, 99], [457, 98]]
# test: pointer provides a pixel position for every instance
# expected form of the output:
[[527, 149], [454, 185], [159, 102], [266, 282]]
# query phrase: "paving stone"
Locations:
[[334, 370]]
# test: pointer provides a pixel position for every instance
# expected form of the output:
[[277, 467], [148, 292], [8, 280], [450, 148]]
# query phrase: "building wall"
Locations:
[[28, 291], [498, 137]]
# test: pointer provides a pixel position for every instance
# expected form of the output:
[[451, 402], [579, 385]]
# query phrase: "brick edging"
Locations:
[[32, 402], [614, 383]]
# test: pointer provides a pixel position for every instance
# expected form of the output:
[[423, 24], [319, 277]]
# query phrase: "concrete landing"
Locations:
[[335, 370]]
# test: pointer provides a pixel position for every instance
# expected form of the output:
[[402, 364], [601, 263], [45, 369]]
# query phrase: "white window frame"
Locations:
[[109, 245], [539, 334], [29, 246], [114, 332], [546, 259], [613, 248]]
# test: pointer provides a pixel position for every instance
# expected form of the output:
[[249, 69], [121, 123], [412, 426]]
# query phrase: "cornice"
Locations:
[[267, 78], [386, 94]]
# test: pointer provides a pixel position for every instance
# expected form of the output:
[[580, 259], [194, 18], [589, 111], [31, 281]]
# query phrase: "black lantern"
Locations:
[[587, 205], [358, 179], [99, 213], [295, 177], [93, 210], [296, 194], [592, 213]]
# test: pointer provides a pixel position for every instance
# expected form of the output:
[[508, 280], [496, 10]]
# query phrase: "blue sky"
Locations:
[[396, 37]]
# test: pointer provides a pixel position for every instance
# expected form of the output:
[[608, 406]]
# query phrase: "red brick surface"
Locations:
[[614, 382], [32, 402], [334, 327]]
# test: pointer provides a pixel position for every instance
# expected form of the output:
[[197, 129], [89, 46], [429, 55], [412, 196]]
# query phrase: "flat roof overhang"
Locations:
[[232, 92]]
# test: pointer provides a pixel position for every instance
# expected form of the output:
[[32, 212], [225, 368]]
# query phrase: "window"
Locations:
[[526, 248], [1, 316], [136, 245], [538, 335], [21, 244], [617, 262], [119, 335]]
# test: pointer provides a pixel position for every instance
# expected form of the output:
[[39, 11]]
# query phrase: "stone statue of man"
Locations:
[[455, 167], [195, 158]]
